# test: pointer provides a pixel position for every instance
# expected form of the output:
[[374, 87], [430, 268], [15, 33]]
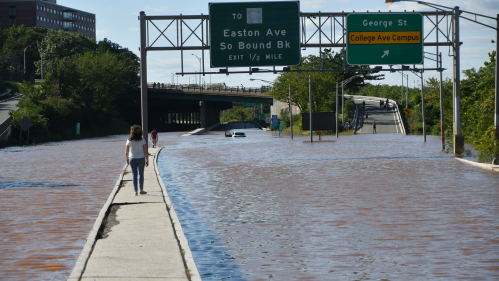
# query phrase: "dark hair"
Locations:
[[135, 133]]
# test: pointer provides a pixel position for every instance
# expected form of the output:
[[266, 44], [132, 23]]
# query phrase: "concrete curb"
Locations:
[[6, 93], [81, 263], [177, 227], [200, 130], [489, 167]]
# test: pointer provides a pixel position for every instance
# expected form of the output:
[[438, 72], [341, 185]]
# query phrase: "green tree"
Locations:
[[17, 38], [323, 83]]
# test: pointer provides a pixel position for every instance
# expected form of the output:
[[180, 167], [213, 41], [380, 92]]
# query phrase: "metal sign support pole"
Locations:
[[496, 107], [442, 134], [310, 105], [343, 103], [422, 106], [402, 89], [337, 128], [290, 112], [143, 74], [458, 138]]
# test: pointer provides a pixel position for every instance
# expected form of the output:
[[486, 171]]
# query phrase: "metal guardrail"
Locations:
[[400, 119], [355, 119]]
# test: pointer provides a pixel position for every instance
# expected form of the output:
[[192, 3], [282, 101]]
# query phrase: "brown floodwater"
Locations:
[[364, 207], [50, 196]]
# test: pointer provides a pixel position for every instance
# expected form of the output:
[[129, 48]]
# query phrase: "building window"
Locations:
[[12, 10], [12, 21]]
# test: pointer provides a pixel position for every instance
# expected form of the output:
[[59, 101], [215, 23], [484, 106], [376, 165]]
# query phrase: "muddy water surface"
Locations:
[[383, 207], [50, 196], [364, 207]]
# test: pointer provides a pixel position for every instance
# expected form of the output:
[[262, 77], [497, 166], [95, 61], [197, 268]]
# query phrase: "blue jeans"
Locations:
[[137, 166]]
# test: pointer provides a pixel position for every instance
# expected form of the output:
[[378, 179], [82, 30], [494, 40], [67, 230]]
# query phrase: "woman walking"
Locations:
[[137, 157]]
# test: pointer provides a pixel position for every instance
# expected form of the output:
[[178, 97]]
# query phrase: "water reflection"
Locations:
[[212, 260], [361, 208]]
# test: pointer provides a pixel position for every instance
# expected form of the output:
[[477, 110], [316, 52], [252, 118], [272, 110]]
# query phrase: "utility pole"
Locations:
[[25, 58]]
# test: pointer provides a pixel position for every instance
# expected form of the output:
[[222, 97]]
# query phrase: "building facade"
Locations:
[[46, 13]]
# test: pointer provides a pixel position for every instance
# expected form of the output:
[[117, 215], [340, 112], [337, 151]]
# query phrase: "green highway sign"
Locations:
[[250, 104], [384, 38], [250, 34], [281, 126]]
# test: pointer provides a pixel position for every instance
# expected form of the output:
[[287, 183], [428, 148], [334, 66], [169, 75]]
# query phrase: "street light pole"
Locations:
[[25, 58], [199, 68]]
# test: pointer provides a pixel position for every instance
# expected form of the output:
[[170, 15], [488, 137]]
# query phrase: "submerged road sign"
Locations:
[[255, 34], [384, 38]]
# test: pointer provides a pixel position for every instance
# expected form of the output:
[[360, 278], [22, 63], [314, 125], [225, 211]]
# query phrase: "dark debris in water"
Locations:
[[17, 184]]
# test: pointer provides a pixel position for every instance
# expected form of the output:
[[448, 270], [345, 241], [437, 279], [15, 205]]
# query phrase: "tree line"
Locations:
[[85, 81]]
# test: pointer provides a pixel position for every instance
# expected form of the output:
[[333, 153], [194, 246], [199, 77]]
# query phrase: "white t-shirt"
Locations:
[[136, 148]]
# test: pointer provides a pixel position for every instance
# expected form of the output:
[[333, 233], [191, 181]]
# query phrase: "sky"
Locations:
[[118, 21]]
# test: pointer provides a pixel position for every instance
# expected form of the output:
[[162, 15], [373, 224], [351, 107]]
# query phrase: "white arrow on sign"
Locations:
[[385, 54]]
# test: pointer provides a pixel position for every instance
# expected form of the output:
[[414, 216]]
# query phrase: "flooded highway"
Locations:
[[363, 207], [50, 197]]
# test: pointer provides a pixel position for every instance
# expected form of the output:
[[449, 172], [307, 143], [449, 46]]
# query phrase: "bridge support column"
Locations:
[[209, 114]]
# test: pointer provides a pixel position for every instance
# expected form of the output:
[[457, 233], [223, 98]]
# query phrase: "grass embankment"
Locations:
[[6, 86]]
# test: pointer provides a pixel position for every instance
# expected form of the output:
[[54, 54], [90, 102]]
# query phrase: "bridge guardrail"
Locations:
[[237, 89], [162, 86]]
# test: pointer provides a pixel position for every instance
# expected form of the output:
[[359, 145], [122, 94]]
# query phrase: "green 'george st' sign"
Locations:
[[384, 38], [252, 34]]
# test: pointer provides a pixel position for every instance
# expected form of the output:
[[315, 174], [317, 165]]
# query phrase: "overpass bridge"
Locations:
[[187, 107]]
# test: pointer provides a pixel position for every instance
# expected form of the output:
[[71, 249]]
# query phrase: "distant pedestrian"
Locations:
[[154, 137], [347, 126], [137, 157], [380, 103], [367, 116], [374, 127]]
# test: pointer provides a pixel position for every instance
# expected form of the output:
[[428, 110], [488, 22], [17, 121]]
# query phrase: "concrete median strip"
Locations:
[[137, 237], [489, 167]]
